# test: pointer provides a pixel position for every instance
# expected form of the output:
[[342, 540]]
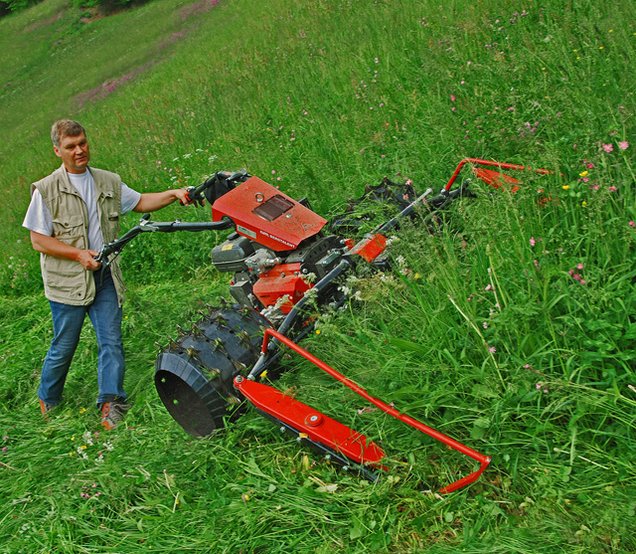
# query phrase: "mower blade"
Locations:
[[328, 454], [345, 445]]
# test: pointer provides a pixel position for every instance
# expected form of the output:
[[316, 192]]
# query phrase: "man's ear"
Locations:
[[57, 151]]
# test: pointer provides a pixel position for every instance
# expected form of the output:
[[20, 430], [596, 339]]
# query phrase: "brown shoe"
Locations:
[[112, 413], [45, 408]]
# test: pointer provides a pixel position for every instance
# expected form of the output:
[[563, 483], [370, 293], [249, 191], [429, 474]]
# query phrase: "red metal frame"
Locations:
[[483, 460], [491, 163], [310, 423]]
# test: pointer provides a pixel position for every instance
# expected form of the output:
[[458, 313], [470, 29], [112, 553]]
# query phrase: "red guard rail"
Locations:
[[390, 410]]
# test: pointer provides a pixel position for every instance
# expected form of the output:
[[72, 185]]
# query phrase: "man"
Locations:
[[73, 212]]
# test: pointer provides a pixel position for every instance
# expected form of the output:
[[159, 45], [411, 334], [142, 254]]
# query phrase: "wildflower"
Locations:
[[492, 349], [584, 204], [580, 266], [632, 224], [612, 188], [453, 98], [485, 325], [608, 148], [536, 263], [566, 187], [489, 287], [623, 145], [532, 241], [589, 165], [584, 173]]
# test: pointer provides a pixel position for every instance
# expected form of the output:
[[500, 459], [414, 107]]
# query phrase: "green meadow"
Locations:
[[510, 326]]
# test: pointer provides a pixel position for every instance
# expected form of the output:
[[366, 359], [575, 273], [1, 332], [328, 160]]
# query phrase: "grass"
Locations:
[[482, 331]]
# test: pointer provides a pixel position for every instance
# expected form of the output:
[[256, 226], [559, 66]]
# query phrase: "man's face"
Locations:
[[74, 152]]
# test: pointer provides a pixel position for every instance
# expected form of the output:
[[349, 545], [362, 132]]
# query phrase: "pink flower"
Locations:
[[488, 288], [612, 188], [623, 145], [589, 165], [492, 349], [532, 241], [580, 266], [452, 98], [632, 223], [608, 148]]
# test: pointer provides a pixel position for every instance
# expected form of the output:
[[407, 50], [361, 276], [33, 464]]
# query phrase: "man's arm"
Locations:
[[152, 201], [56, 248]]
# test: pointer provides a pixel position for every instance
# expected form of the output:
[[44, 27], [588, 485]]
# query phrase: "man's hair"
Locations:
[[65, 128]]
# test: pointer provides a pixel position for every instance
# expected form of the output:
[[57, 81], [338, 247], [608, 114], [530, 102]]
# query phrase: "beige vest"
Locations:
[[67, 281]]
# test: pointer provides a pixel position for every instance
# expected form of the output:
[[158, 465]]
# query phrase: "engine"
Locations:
[[278, 250], [265, 279]]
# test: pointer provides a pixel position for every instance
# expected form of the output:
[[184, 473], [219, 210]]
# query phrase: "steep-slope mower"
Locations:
[[287, 261]]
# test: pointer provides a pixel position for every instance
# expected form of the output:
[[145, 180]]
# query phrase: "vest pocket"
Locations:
[[66, 280], [69, 230]]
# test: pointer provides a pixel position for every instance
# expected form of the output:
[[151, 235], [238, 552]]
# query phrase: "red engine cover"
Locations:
[[267, 216], [282, 280]]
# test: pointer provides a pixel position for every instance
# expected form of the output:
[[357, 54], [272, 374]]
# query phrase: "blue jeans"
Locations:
[[105, 315]]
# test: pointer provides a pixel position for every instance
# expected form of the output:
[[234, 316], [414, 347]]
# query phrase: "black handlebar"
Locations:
[[216, 186], [147, 226]]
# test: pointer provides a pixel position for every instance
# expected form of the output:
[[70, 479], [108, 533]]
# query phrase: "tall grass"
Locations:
[[510, 327]]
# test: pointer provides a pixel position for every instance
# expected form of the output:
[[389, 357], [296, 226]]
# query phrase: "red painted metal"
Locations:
[[370, 247], [312, 424], [496, 179], [264, 214], [490, 163], [281, 280], [483, 460]]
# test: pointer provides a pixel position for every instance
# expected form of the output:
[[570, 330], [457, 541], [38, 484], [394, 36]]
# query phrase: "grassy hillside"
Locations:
[[511, 328]]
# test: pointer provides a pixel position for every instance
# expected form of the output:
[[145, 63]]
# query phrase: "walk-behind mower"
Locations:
[[287, 261]]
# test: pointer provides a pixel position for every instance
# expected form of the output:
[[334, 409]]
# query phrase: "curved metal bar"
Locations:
[[388, 409]]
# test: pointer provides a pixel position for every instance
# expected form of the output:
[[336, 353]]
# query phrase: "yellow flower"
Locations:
[[82, 410], [584, 203], [584, 173], [317, 331], [566, 187]]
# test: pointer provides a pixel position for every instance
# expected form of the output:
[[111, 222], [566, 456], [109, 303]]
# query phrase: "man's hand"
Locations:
[[87, 259], [183, 197]]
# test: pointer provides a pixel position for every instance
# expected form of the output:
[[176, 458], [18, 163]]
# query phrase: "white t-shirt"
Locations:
[[38, 218]]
